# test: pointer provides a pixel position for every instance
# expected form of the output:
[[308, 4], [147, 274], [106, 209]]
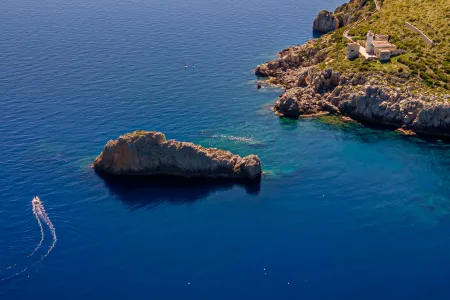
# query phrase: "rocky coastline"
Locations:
[[148, 153], [345, 14], [375, 97]]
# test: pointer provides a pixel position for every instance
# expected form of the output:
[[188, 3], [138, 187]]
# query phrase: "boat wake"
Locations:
[[39, 212], [248, 140], [40, 227], [42, 218]]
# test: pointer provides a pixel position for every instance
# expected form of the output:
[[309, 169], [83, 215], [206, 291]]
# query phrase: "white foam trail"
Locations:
[[40, 226], [40, 214], [234, 138], [8, 267], [14, 275], [36, 203], [40, 211]]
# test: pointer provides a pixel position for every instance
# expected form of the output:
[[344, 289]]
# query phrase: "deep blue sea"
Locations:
[[344, 212]]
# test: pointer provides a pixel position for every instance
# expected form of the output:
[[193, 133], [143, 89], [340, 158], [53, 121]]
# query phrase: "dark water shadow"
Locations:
[[433, 139], [289, 124], [429, 139], [317, 34], [369, 132], [149, 191]]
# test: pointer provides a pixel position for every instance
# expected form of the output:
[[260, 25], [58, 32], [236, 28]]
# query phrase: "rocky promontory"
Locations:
[[372, 97], [319, 79], [149, 153], [345, 14], [325, 22]]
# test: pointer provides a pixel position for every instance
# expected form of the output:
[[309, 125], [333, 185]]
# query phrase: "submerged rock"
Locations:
[[149, 153], [406, 132]]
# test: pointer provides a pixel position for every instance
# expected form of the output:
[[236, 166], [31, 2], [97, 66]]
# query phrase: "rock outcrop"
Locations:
[[380, 97], [350, 12], [325, 22], [291, 59], [364, 99], [149, 153], [342, 16], [368, 97]]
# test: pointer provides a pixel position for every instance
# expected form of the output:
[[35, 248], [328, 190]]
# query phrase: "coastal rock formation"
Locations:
[[342, 16], [291, 58], [376, 95], [363, 99], [149, 153], [350, 12], [301, 102], [434, 118], [367, 97], [325, 22], [378, 104]]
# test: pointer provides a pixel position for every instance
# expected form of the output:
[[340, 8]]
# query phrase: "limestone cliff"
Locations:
[[370, 97], [342, 16], [410, 92], [149, 153], [325, 22]]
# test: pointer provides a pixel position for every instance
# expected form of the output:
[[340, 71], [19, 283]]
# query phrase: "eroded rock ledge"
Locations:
[[370, 97], [149, 153]]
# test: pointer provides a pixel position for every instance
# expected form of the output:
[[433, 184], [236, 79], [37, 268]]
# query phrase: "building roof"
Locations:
[[353, 45], [383, 44], [381, 36]]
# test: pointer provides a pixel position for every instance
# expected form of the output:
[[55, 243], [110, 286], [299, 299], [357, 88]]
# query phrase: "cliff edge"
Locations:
[[345, 14]]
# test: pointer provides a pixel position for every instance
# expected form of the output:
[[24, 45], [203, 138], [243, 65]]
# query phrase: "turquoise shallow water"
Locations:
[[345, 211]]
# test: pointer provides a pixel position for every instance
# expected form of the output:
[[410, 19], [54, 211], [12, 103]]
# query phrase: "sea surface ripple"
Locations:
[[344, 211]]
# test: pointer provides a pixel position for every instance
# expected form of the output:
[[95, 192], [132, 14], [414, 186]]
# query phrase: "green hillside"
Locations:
[[431, 64]]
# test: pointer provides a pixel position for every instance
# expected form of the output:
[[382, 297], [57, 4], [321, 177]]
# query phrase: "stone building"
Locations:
[[353, 50], [381, 37], [384, 55], [380, 46]]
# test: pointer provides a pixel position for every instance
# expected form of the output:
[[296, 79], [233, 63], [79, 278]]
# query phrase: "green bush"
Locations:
[[429, 82]]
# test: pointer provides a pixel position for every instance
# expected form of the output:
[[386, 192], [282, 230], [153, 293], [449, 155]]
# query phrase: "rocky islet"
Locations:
[[148, 153]]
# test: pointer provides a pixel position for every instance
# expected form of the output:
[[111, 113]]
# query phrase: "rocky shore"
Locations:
[[149, 153], [375, 97]]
